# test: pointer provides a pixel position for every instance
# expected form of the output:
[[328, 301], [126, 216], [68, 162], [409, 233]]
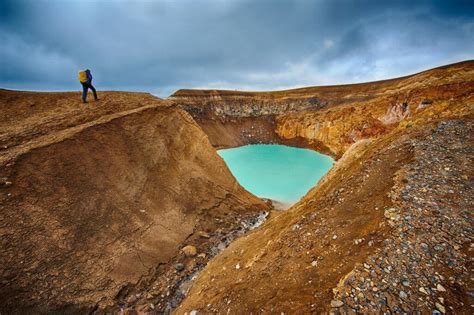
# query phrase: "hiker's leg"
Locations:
[[84, 92], [93, 91]]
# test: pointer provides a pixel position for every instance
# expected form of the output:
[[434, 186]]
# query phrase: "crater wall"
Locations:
[[327, 118], [95, 214]]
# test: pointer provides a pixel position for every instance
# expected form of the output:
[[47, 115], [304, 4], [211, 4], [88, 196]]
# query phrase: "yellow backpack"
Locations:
[[82, 76]]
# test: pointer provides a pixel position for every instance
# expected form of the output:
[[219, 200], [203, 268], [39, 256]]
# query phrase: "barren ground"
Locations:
[[117, 204]]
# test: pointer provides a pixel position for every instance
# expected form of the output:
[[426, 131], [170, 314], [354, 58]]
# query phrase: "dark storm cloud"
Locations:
[[266, 44]]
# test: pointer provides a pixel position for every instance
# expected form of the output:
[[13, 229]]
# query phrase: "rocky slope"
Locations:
[[97, 201], [388, 229], [327, 118]]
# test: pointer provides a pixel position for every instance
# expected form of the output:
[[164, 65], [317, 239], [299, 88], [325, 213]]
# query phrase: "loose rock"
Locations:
[[189, 251], [336, 303]]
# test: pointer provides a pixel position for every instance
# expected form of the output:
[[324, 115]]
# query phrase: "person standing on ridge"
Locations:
[[85, 77]]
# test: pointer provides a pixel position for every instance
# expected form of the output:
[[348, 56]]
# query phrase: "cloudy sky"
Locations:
[[160, 46]]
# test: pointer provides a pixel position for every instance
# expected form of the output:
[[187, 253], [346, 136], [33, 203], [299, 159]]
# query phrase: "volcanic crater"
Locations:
[[124, 204]]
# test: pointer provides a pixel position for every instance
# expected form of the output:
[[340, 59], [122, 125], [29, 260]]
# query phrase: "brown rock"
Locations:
[[189, 251], [203, 234]]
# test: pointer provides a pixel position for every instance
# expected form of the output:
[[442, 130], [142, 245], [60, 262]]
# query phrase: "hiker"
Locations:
[[85, 77]]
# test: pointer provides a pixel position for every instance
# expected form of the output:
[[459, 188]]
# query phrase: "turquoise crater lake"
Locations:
[[278, 172]]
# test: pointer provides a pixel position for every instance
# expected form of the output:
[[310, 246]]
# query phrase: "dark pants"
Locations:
[[85, 87]]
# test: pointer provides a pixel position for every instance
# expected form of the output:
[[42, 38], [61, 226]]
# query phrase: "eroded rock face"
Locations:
[[96, 214], [328, 118], [396, 113], [234, 104], [336, 128], [233, 118]]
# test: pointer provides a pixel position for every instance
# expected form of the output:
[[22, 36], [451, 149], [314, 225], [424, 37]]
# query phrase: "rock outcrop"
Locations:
[[97, 202], [396, 113], [236, 104]]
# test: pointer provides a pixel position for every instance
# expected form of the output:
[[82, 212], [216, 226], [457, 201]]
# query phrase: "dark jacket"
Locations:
[[89, 76]]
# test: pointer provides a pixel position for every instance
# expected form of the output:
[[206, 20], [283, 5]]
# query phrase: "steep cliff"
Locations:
[[97, 201], [326, 118]]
